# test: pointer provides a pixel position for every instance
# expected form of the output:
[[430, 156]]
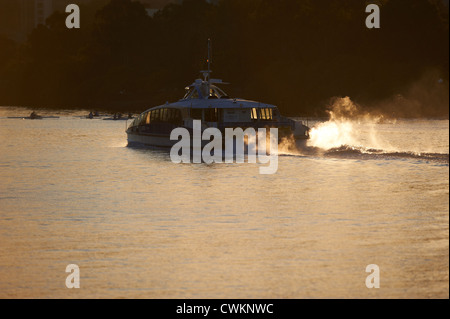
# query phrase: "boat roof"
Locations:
[[214, 103]]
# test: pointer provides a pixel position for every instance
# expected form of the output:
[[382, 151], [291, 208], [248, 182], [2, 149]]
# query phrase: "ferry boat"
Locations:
[[205, 101]]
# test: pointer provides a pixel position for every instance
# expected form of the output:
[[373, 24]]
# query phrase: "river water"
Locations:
[[140, 226]]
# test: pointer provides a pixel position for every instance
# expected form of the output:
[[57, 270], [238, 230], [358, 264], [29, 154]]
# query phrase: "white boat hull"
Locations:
[[150, 140]]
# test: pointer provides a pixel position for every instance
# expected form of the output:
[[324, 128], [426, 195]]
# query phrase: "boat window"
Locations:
[[216, 92], [213, 94], [188, 92], [191, 93], [160, 115], [153, 116], [262, 113], [196, 114], [204, 90], [254, 114], [176, 117], [221, 93], [142, 119], [211, 115], [266, 114], [194, 94]]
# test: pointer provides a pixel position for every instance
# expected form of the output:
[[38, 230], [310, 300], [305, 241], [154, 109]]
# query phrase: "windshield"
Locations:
[[192, 92], [220, 94], [214, 92]]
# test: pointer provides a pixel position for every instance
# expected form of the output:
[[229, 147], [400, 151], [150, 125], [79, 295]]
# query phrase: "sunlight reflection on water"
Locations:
[[140, 226]]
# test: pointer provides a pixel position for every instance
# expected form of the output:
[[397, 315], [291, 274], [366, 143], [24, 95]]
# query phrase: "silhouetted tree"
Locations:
[[293, 53]]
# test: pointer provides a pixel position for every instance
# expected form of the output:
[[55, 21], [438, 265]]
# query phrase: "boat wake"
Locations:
[[346, 151], [353, 134], [362, 153]]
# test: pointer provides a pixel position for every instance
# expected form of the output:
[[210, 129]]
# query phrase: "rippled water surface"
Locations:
[[139, 226]]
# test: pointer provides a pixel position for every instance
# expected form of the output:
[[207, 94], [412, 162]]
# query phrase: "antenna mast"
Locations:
[[209, 55], [209, 64], [207, 74]]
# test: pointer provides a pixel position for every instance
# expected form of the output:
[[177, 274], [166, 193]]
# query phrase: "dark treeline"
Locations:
[[296, 54]]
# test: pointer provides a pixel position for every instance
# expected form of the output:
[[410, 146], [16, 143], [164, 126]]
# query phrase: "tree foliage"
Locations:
[[293, 53]]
